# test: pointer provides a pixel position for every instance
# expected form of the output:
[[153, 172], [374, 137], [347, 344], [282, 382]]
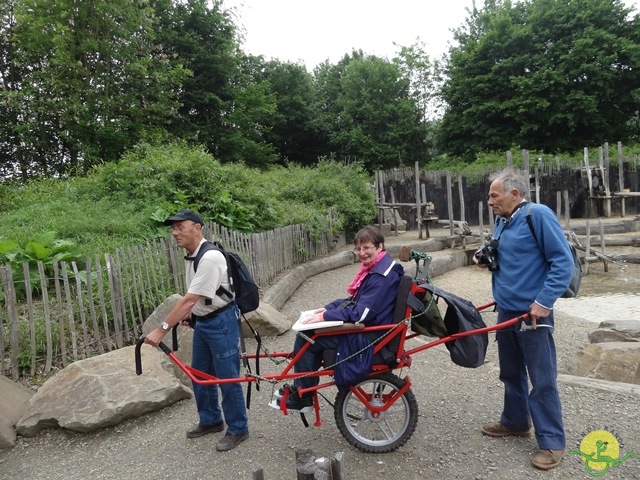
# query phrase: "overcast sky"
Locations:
[[313, 31]]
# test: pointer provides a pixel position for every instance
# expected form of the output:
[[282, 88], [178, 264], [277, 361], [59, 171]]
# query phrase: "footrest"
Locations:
[[275, 403]]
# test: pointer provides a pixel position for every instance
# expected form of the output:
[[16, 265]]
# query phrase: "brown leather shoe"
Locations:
[[547, 459], [200, 430], [496, 429], [230, 441]]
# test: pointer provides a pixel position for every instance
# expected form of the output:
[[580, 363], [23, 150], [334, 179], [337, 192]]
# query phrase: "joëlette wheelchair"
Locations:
[[378, 414]]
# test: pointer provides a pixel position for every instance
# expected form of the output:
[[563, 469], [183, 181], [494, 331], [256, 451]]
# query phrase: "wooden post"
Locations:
[[6, 278], [537, 179], [588, 168], [525, 162], [559, 204], [257, 472], [602, 246], [337, 467], [605, 182], [509, 159], [587, 258], [450, 203], [393, 211], [621, 178], [461, 195], [481, 223], [381, 198], [567, 210], [416, 169]]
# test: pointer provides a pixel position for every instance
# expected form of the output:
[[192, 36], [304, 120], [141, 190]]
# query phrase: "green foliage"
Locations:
[[549, 74], [45, 248], [125, 203]]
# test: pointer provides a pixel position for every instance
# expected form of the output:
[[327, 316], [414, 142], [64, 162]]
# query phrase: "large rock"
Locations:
[[267, 321], [614, 361], [103, 391], [13, 402], [616, 331]]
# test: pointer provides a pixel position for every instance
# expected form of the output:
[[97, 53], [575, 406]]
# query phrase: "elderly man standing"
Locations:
[[215, 335], [532, 273]]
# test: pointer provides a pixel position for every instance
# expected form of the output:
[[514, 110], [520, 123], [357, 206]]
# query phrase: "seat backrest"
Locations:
[[404, 289]]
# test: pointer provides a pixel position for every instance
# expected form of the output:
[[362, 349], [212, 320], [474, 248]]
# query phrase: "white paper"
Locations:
[[307, 314]]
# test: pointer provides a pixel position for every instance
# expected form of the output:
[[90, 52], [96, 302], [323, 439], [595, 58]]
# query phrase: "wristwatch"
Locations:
[[165, 326]]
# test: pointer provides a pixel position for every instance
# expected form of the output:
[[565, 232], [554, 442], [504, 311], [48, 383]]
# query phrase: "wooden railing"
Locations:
[[72, 313]]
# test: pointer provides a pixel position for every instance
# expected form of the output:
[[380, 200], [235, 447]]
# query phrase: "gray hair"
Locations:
[[512, 179]]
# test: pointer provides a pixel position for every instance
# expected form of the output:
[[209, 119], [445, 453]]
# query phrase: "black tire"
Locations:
[[391, 429]]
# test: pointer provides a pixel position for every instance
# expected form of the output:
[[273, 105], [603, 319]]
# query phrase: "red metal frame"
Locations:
[[287, 373]]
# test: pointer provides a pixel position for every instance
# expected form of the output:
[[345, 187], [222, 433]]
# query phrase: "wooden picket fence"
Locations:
[[70, 314]]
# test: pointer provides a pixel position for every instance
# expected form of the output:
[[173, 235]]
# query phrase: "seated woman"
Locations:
[[373, 293]]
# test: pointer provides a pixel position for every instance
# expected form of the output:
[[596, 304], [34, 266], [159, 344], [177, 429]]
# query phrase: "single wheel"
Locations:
[[372, 431]]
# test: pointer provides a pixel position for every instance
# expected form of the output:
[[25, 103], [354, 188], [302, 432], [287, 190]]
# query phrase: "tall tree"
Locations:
[[222, 106], [292, 132], [378, 123], [94, 85], [544, 74], [422, 74]]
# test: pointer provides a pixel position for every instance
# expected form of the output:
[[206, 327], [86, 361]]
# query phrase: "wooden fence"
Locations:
[[70, 313]]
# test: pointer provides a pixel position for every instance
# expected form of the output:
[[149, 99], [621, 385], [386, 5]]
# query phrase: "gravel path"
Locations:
[[447, 444]]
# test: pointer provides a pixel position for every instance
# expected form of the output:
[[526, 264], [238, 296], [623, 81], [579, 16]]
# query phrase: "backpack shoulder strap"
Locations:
[[530, 223], [206, 246]]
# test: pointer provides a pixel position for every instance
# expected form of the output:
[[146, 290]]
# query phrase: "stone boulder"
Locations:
[[616, 331], [13, 402], [613, 361], [267, 321], [103, 391]]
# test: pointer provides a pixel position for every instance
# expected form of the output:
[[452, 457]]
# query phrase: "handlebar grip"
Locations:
[[162, 346], [138, 356], [174, 337]]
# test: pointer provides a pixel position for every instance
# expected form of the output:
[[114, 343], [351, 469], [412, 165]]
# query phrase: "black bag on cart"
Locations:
[[462, 316]]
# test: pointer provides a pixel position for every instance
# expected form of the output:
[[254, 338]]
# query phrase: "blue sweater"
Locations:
[[375, 301], [531, 270]]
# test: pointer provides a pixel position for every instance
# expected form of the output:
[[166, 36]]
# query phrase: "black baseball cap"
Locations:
[[183, 215]]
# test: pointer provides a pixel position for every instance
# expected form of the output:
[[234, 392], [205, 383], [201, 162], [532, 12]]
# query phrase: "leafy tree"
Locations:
[[94, 84], [222, 106], [292, 131], [378, 122], [422, 74], [549, 74]]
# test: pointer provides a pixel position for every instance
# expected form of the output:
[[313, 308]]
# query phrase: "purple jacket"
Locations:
[[375, 301]]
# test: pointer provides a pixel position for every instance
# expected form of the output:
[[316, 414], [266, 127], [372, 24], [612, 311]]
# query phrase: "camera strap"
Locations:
[[507, 221]]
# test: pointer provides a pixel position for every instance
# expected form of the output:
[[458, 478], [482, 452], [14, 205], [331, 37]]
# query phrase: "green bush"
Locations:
[[123, 204]]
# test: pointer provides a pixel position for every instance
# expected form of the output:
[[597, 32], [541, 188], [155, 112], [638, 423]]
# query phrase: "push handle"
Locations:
[[162, 346]]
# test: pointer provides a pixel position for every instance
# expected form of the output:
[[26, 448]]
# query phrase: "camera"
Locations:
[[488, 256]]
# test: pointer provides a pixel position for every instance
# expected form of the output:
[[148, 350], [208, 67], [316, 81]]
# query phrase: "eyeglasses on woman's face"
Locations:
[[364, 248]]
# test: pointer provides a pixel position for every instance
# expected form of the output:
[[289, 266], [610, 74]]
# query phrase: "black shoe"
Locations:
[[200, 430], [280, 392], [230, 441], [295, 403]]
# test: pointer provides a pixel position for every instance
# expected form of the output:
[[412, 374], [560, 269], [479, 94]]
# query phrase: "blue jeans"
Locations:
[[216, 352], [531, 354]]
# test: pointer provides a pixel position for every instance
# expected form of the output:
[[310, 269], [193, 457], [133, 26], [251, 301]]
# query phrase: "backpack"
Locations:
[[461, 316], [578, 273], [243, 287]]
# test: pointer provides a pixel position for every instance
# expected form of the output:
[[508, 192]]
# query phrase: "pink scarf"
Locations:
[[353, 287]]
